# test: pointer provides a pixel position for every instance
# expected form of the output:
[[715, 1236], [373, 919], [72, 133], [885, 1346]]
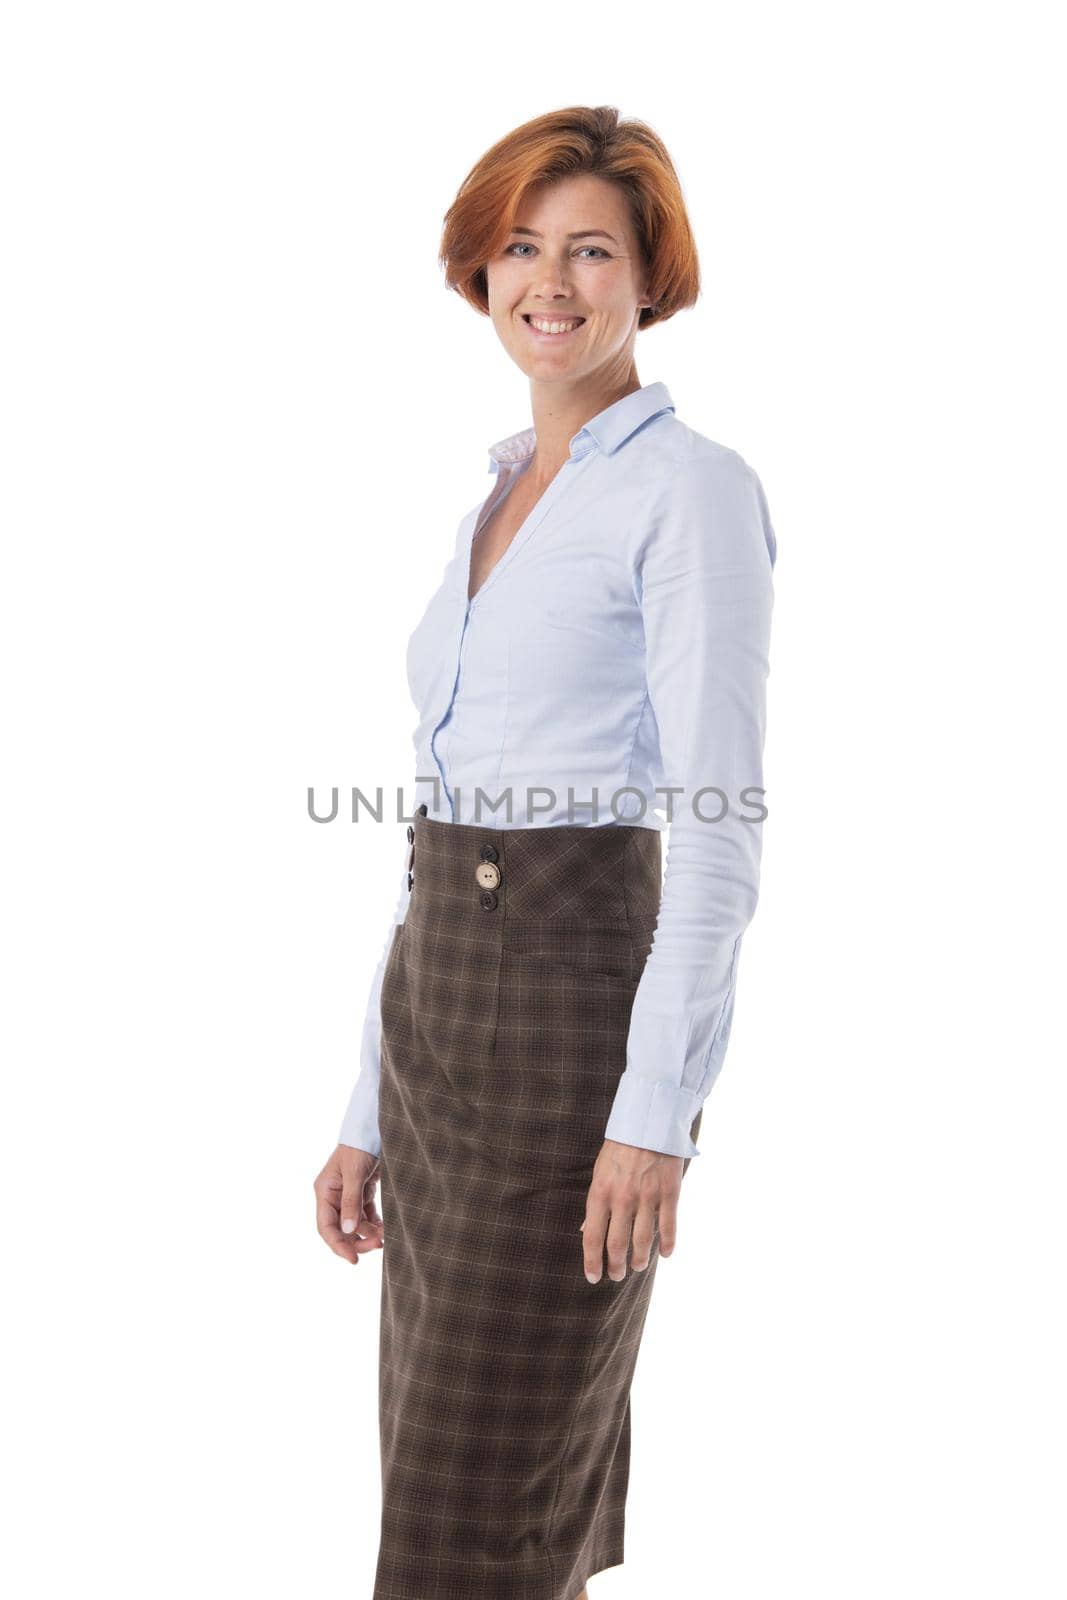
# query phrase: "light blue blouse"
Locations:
[[619, 649]]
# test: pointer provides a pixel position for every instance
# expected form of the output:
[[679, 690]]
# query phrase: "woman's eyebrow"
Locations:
[[586, 233]]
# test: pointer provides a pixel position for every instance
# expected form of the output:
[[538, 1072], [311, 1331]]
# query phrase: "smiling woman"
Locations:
[[549, 1013], [492, 217]]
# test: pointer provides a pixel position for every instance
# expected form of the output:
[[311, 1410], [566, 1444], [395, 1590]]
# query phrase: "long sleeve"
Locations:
[[704, 576], [360, 1126]]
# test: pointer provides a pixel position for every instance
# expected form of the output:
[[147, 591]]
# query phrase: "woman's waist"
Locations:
[[606, 875], [547, 781]]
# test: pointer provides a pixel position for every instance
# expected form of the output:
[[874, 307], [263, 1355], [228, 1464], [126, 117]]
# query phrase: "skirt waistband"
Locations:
[[605, 873]]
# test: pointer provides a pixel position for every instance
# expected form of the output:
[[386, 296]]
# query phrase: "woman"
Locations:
[[534, 1060]]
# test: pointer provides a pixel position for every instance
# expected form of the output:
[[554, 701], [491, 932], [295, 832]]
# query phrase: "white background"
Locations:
[[241, 420]]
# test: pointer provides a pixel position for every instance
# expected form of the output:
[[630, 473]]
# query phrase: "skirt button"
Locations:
[[487, 875], [488, 899]]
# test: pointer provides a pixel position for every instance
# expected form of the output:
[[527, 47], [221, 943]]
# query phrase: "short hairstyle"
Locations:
[[564, 144]]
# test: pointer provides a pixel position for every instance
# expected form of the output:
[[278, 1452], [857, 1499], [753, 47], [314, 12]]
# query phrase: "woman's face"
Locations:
[[572, 254]]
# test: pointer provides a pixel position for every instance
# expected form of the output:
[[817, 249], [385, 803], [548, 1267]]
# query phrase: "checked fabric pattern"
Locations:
[[505, 1376]]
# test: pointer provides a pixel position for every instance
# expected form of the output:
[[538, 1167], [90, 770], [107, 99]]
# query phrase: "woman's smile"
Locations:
[[552, 330]]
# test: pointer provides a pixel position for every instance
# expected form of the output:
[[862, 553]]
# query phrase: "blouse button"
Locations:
[[488, 899], [487, 875]]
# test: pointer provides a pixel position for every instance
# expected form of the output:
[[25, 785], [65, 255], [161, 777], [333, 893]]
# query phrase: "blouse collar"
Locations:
[[606, 431]]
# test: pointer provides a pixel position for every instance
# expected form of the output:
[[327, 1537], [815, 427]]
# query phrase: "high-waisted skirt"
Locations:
[[505, 1375]]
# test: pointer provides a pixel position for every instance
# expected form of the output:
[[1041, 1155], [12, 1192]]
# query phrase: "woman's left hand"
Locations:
[[631, 1188]]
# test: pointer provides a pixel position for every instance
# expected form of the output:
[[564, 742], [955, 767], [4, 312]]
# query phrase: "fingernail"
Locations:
[[593, 1279], [348, 1225]]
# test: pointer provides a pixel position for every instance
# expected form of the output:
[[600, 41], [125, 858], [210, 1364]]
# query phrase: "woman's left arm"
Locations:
[[704, 576]]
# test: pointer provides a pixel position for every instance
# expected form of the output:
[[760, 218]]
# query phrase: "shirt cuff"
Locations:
[[654, 1114]]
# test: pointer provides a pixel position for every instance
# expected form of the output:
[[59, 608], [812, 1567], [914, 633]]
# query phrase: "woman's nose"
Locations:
[[551, 281]]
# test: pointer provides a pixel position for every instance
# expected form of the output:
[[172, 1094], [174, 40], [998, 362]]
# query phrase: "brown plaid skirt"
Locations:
[[505, 1376]]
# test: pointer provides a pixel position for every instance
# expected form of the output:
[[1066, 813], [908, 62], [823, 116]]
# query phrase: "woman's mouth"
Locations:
[[552, 330]]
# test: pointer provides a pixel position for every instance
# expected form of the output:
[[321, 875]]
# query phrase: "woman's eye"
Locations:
[[522, 245]]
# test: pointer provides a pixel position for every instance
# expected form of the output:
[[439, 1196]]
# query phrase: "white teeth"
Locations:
[[554, 327]]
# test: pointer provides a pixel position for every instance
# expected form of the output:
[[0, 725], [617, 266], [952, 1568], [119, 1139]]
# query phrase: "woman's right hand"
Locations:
[[345, 1209]]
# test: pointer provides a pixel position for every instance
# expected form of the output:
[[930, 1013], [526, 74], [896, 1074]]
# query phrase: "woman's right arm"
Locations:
[[359, 1129], [360, 1126], [346, 1213]]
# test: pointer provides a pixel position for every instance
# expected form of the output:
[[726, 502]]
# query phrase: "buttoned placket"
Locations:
[[488, 876], [422, 812], [581, 446]]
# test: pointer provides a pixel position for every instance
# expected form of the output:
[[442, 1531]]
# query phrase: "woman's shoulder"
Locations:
[[682, 451], [692, 473]]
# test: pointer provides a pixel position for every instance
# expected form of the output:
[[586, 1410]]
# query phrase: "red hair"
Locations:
[[562, 144]]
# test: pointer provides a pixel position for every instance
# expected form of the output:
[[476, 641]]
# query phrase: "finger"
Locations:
[[327, 1221], [372, 1228], [369, 1233], [341, 1246], [622, 1218], [644, 1235], [352, 1201], [668, 1222], [594, 1229]]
